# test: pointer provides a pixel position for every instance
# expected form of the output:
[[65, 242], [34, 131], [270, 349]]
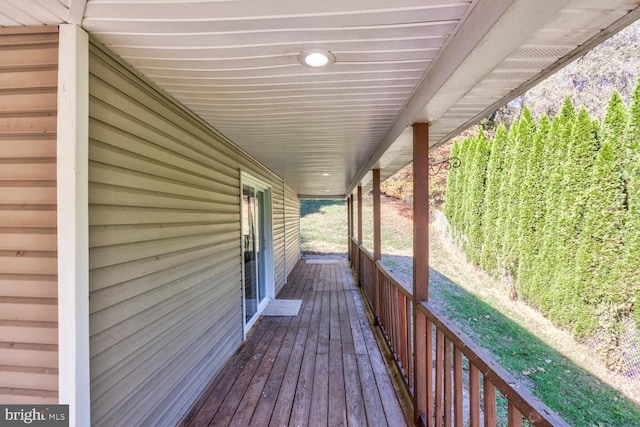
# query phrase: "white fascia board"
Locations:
[[73, 223]]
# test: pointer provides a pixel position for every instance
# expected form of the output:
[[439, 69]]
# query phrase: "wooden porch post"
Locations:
[[349, 218], [420, 266], [359, 272], [359, 215], [377, 244]]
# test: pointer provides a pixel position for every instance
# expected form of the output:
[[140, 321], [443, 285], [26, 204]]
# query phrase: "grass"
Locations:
[[323, 226], [524, 346]]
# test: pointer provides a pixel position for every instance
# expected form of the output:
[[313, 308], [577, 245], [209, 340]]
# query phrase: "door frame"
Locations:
[[269, 268]]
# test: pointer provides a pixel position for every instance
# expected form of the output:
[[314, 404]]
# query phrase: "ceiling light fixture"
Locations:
[[316, 58], [325, 174]]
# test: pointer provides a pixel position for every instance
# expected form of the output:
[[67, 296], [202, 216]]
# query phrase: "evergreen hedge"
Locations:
[[554, 207]]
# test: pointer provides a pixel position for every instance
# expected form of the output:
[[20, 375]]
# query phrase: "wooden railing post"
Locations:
[[349, 225], [377, 243], [421, 268], [359, 232]]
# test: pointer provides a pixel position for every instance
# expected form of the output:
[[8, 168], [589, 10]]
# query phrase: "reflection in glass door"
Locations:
[[253, 236]]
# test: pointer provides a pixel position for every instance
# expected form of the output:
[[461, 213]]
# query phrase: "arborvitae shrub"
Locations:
[[632, 229], [475, 198], [532, 209], [495, 170], [559, 209], [451, 204]]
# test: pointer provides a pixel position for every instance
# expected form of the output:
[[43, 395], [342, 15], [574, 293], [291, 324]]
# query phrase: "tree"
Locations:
[[452, 186], [632, 229], [532, 209], [495, 176], [524, 139], [601, 254], [555, 154], [475, 197]]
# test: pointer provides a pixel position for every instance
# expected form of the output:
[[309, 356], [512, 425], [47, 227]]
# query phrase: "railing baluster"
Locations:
[[474, 396], [448, 383], [457, 388], [402, 313], [430, 377], [411, 349], [439, 376], [489, 404], [515, 417]]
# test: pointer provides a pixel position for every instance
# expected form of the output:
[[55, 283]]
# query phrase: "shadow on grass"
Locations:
[[575, 394], [311, 206]]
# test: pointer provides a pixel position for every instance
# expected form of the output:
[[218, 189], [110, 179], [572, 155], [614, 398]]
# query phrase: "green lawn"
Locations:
[[323, 226]]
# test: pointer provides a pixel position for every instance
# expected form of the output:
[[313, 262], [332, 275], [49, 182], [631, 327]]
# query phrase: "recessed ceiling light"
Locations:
[[325, 174], [316, 58]]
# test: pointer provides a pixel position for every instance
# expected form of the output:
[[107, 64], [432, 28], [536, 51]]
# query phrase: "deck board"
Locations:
[[321, 367]]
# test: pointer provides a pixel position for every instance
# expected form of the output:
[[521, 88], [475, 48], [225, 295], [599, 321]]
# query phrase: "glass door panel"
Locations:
[[253, 237]]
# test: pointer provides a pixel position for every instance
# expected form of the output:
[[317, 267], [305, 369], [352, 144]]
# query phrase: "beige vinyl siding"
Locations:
[[165, 255], [279, 238], [28, 242], [292, 221]]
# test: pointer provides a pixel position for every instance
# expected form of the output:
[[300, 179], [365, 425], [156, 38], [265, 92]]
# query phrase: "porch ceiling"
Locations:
[[235, 64]]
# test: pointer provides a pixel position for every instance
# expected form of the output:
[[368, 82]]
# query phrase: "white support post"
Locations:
[[73, 223]]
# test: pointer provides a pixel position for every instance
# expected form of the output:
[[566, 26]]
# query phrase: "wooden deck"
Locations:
[[320, 368]]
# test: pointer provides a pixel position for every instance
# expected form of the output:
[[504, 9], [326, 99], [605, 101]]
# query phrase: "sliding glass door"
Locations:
[[256, 249]]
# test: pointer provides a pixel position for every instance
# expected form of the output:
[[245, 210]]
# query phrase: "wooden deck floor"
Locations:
[[320, 368]]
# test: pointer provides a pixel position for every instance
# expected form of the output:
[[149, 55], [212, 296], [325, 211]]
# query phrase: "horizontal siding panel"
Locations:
[[113, 295], [29, 378], [43, 123], [189, 349], [29, 355], [27, 192], [29, 79], [27, 262], [29, 332], [166, 152], [117, 235], [29, 309], [114, 361], [177, 122], [24, 170], [120, 254], [21, 396], [200, 151], [119, 215], [128, 102], [108, 276], [25, 101], [28, 239], [28, 216], [127, 196], [28, 286], [105, 174], [162, 293], [30, 55], [128, 160], [150, 357], [28, 146]]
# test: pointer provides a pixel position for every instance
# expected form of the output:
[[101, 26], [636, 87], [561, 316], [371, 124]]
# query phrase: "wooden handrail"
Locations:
[[518, 396], [449, 345]]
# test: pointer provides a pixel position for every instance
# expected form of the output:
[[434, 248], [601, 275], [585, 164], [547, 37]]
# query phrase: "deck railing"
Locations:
[[461, 387]]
